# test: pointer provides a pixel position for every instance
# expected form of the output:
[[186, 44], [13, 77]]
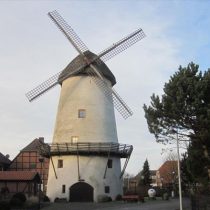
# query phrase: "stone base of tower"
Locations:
[[84, 178]]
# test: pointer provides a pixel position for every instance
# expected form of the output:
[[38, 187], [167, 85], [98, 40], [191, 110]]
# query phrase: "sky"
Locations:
[[32, 49]]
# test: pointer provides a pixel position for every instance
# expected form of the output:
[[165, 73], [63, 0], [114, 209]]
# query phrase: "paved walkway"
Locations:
[[172, 204]]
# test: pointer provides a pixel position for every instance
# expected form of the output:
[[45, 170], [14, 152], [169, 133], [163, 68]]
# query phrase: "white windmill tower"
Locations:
[[85, 153]]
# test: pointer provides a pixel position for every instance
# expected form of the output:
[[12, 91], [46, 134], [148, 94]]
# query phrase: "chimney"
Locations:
[[41, 139]]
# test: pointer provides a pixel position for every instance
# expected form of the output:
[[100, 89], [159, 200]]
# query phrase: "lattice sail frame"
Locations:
[[68, 31], [111, 95], [105, 55]]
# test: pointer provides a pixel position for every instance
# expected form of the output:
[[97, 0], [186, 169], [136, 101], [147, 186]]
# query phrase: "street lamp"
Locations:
[[173, 184], [179, 174], [178, 167], [41, 160]]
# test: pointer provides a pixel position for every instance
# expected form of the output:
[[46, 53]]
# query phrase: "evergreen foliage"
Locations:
[[184, 110], [145, 174]]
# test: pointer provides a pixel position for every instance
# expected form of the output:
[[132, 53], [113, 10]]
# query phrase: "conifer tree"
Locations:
[[145, 174], [183, 111]]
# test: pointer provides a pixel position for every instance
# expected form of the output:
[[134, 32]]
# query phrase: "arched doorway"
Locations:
[[81, 192]]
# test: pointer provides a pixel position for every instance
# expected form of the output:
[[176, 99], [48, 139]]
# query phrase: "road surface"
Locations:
[[172, 204]]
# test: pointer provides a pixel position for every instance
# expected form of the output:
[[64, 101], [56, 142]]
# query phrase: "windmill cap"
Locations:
[[79, 61]]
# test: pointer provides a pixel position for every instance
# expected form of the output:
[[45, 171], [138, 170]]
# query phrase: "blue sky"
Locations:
[[33, 49]]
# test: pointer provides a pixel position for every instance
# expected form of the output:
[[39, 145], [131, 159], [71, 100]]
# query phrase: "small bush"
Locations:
[[18, 199], [4, 193], [60, 200], [29, 205], [46, 198], [4, 205], [33, 199], [21, 196], [56, 200], [109, 199], [16, 202], [165, 196], [4, 190], [104, 198], [118, 197]]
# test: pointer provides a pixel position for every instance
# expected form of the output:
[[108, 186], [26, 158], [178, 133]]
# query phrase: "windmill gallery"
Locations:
[[85, 153]]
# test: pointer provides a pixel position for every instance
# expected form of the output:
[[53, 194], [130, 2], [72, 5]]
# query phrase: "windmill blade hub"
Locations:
[[85, 60]]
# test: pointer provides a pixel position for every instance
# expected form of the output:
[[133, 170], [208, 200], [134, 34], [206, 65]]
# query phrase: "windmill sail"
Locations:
[[68, 32], [50, 83], [121, 45], [111, 95], [105, 55]]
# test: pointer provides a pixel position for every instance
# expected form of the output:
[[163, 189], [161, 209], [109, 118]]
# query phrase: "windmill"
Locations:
[[85, 153]]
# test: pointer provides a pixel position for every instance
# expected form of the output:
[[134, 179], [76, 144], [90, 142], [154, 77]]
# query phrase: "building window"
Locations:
[[32, 165], [74, 139], [81, 113], [109, 163], [63, 188], [107, 189], [60, 163]]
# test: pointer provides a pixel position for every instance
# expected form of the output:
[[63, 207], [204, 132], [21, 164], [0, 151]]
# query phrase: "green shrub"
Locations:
[[56, 200], [29, 205], [109, 199], [118, 197], [4, 205], [165, 196], [60, 200], [16, 202], [18, 199], [46, 198], [21, 196], [104, 198], [4, 190]]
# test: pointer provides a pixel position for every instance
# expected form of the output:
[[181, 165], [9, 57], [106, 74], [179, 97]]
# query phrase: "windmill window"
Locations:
[[109, 163], [74, 139], [60, 163], [81, 113], [63, 188], [107, 189]]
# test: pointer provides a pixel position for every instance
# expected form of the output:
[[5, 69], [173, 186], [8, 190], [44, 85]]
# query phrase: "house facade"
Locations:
[[12, 182], [29, 160], [153, 177], [167, 174]]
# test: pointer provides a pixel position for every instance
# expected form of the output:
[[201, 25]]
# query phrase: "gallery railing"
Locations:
[[86, 148]]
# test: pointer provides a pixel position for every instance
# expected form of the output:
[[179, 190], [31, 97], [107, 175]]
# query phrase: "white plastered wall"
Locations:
[[99, 125], [91, 171], [80, 92]]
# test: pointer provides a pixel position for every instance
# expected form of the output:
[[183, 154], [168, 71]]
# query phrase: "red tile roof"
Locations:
[[34, 145], [168, 165], [18, 175], [168, 171]]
